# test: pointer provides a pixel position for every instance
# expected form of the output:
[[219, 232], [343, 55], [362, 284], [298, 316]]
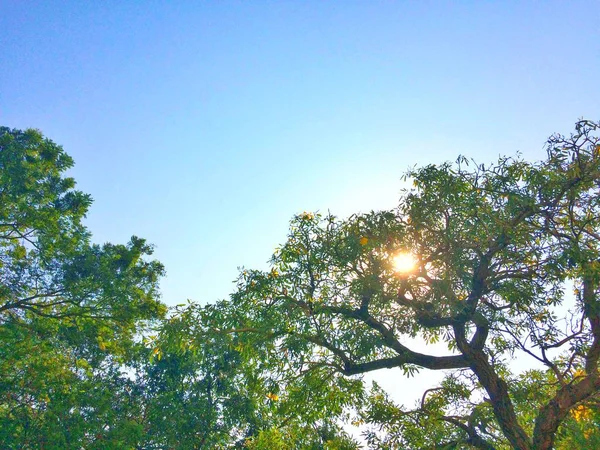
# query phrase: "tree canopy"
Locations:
[[506, 265], [69, 309], [487, 273]]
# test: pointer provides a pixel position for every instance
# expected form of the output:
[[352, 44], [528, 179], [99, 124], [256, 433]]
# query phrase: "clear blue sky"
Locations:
[[204, 126]]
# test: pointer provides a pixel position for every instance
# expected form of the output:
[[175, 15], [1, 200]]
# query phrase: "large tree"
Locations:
[[506, 265], [69, 309]]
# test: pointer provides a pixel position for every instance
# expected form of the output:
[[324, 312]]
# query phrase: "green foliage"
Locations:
[[506, 266], [203, 387], [49, 267], [69, 309], [498, 249]]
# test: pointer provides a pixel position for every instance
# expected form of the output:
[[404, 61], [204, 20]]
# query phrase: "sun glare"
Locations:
[[404, 263]]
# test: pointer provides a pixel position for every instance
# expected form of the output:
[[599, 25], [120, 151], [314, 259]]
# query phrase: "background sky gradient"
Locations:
[[204, 126]]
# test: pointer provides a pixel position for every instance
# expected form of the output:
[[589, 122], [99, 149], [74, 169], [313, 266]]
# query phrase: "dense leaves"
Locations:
[[489, 274], [205, 388], [49, 267], [506, 266], [69, 309]]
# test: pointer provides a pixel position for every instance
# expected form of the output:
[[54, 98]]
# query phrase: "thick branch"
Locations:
[[496, 388], [419, 359], [474, 438], [554, 412]]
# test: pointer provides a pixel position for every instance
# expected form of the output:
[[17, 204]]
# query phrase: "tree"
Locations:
[[200, 388], [49, 267], [506, 265], [69, 309]]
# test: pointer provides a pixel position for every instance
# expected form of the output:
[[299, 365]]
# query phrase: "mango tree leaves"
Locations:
[[204, 387], [496, 251]]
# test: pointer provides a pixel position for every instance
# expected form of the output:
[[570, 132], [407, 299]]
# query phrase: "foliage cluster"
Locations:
[[503, 299]]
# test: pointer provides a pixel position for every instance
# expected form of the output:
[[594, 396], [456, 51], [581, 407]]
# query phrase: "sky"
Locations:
[[205, 126]]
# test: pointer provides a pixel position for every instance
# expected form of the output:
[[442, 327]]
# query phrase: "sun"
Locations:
[[404, 262]]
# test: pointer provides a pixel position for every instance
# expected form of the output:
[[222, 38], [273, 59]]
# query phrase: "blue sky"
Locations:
[[204, 126]]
